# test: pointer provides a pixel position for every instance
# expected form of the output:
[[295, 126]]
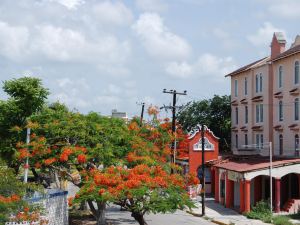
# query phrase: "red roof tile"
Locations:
[[287, 53], [251, 164]]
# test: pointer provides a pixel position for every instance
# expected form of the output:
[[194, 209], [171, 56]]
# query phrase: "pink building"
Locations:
[[265, 109]]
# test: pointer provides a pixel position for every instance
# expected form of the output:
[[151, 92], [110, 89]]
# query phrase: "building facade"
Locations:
[[265, 117]]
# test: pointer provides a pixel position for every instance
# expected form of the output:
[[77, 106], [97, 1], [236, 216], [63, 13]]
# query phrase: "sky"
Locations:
[[99, 55]]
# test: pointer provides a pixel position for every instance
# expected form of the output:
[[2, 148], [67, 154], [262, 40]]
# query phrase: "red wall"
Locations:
[[195, 157]]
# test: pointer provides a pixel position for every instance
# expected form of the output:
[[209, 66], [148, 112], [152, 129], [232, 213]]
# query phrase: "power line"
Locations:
[[173, 107]]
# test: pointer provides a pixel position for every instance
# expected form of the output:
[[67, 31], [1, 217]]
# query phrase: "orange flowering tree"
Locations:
[[129, 167]]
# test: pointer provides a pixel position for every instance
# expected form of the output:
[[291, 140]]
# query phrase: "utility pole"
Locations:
[[142, 113], [26, 164], [174, 93], [203, 171]]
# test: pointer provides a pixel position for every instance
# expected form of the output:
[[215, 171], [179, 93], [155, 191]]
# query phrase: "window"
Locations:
[[259, 141], [280, 74], [236, 115], [297, 142], [297, 72], [246, 86], [297, 145], [296, 110], [256, 83], [259, 113], [246, 114], [246, 140], [235, 88], [236, 141], [280, 144], [280, 113], [260, 82]]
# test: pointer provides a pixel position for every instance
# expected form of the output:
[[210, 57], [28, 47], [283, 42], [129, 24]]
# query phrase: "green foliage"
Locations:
[[26, 97], [261, 211], [108, 139], [11, 186], [215, 113], [281, 220]]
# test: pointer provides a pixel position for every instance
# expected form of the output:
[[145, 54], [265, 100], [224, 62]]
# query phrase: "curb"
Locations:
[[209, 219]]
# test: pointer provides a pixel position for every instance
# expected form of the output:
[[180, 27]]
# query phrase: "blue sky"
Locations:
[[98, 55]]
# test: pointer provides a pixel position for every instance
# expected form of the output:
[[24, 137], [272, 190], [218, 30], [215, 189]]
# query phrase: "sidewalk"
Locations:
[[221, 215]]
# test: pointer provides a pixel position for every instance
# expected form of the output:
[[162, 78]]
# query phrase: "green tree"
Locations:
[[26, 97], [215, 113]]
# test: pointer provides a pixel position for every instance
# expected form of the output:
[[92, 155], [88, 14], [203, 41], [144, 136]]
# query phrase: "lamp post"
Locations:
[[203, 170], [26, 164]]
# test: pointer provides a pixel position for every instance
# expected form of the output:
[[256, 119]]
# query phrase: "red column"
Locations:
[[217, 185], [242, 197], [229, 198], [257, 189], [247, 196], [212, 180], [277, 195]]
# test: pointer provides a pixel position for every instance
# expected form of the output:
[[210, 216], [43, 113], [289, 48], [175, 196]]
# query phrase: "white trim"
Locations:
[[197, 129]]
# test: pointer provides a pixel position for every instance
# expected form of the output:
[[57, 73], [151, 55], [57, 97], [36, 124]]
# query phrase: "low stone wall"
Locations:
[[55, 204]]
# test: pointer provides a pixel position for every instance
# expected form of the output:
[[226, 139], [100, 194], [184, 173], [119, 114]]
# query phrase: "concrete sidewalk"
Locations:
[[221, 215]]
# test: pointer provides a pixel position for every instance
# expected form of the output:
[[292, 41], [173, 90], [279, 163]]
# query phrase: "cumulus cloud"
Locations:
[[70, 92], [13, 41], [286, 9], [181, 70], [60, 44], [108, 12], [264, 34], [69, 4], [206, 65], [158, 40], [151, 5]]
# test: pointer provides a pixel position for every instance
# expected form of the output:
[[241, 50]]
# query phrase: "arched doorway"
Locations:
[[289, 188]]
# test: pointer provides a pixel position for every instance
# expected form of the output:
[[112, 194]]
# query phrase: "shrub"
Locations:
[[261, 211], [281, 220]]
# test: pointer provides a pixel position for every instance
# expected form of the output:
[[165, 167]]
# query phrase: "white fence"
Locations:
[[55, 204]]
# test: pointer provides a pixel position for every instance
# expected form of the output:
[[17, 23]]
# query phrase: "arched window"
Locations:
[[296, 108], [297, 72], [280, 144], [297, 145], [280, 74], [280, 113]]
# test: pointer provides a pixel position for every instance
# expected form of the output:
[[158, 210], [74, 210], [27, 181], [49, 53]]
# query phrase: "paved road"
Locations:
[[117, 217]]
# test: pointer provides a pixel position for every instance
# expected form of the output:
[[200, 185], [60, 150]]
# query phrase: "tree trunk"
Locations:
[[139, 217], [101, 213]]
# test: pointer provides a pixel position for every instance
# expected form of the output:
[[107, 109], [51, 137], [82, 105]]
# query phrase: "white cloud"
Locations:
[[70, 92], [151, 5], [69, 45], [49, 42], [287, 9], [264, 35], [158, 40], [213, 66], [13, 41], [69, 4], [207, 65], [181, 70], [108, 12]]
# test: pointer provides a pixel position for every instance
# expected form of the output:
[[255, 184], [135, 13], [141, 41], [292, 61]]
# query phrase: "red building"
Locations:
[[193, 162]]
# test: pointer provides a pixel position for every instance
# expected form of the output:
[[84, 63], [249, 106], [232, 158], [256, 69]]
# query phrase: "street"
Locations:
[[117, 217]]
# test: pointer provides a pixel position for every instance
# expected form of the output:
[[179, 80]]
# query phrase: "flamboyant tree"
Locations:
[[129, 167]]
